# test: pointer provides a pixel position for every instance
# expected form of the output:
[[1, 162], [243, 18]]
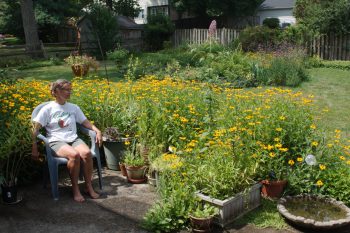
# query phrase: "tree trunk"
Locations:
[[33, 45]]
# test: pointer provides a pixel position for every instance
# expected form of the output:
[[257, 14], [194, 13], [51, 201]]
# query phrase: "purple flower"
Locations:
[[212, 29]]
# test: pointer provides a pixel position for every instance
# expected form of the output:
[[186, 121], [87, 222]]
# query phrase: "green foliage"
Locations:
[[258, 37], [130, 8], [132, 155], [204, 210], [343, 65], [49, 16], [272, 23], [286, 69], [215, 8], [118, 55], [104, 25], [157, 30], [172, 211], [323, 16]]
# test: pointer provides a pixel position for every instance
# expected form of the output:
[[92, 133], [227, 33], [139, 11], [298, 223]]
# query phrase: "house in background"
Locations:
[[281, 9], [152, 7]]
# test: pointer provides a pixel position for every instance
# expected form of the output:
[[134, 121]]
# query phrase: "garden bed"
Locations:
[[236, 206]]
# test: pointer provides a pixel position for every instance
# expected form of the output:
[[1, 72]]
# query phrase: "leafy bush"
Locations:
[[258, 37], [286, 68], [104, 24], [118, 55], [157, 30], [272, 23]]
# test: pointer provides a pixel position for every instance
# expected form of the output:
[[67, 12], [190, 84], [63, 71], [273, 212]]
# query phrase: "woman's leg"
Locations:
[[86, 157], [73, 166]]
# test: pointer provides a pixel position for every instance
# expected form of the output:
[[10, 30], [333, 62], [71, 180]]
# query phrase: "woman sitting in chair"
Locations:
[[59, 119]]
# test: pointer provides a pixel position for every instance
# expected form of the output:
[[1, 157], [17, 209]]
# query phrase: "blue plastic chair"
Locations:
[[53, 161]]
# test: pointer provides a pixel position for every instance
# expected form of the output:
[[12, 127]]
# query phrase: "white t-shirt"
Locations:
[[60, 121]]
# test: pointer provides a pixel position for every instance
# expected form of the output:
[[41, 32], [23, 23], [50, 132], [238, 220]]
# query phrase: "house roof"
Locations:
[[277, 4], [127, 23], [123, 22]]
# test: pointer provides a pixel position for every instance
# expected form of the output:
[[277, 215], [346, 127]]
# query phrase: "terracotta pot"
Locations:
[[273, 189], [80, 70], [136, 174], [201, 224], [123, 169]]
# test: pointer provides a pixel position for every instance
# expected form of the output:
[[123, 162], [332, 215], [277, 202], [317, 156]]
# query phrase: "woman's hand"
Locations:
[[99, 138]]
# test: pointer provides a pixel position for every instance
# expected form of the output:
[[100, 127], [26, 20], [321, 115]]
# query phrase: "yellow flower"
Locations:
[[283, 149], [314, 143], [348, 162], [277, 139], [330, 145], [279, 129], [322, 167], [313, 126], [269, 147], [300, 159], [182, 138], [272, 154], [342, 157], [282, 118], [127, 143], [291, 162], [319, 183]]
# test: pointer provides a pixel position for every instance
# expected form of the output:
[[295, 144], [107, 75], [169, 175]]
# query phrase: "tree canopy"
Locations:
[[323, 16], [217, 8]]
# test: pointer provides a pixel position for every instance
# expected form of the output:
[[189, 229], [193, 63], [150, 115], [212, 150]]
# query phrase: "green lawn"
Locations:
[[331, 88], [63, 71]]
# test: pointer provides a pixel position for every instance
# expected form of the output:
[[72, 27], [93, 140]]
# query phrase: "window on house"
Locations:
[[154, 10], [142, 14]]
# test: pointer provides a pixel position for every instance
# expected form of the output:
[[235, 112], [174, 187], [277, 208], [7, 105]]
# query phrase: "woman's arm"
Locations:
[[87, 124], [35, 131]]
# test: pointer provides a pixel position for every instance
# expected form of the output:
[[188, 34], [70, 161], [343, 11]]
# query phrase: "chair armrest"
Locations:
[[49, 155], [43, 138], [92, 135]]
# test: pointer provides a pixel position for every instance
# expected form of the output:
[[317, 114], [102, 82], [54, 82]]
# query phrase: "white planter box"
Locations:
[[234, 207]]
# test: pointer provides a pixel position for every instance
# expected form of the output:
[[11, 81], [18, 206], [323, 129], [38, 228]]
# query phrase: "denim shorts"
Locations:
[[58, 144]]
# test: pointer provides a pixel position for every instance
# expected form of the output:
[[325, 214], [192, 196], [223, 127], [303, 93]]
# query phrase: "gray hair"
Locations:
[[58, 84]]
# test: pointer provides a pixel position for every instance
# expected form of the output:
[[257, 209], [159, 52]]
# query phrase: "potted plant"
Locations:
[[134, 164], [273, 187], [202, 217], [114, 146], [14, 151], [81, 63]]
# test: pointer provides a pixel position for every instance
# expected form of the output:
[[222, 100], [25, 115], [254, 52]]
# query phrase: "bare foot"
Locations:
[[93, 194], [79, 198]]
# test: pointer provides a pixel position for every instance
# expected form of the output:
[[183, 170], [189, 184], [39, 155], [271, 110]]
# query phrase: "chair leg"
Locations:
[[53, 169], [99, 170], [45, 175]]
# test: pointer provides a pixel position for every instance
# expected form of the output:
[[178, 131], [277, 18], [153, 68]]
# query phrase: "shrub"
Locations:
[[286, 68], [118, 55], [272, 23], [157, 30], [104, 24], [258, 37]]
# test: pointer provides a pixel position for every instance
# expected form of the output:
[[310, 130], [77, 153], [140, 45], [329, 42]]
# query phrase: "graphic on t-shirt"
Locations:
[[61, 123], [62, 118]]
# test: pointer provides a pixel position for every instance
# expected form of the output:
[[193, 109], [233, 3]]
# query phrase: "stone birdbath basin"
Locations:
[[314, 212]]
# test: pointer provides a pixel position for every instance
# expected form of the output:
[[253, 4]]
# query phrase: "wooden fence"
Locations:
[[199, 36], [327, 47], [331, 47]]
